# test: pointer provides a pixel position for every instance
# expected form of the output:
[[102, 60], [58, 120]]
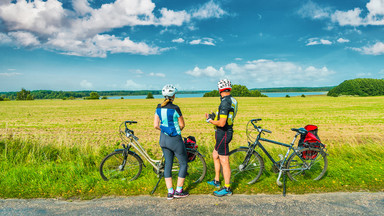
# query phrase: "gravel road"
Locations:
[[360, 203]]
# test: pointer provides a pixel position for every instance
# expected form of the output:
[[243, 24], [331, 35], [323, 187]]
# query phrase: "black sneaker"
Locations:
[[181, 194], [170, 196]]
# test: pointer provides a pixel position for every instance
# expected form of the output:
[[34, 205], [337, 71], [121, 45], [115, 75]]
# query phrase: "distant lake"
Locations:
[[269, 94]]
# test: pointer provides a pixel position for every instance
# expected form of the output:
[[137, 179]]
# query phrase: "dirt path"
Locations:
[[309, 204]]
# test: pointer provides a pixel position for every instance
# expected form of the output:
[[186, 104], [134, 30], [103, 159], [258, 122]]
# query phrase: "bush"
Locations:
[[104, 97], [287, 96], [1, 98], [302, 95]]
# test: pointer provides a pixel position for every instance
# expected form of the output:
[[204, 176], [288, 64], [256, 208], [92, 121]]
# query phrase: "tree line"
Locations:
[[359, 87], [237, 91], [295, 89]]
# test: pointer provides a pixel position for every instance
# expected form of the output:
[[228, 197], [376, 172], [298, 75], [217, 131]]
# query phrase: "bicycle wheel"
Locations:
[[245, 173], [197, 168], [113, 167], [308, 164]]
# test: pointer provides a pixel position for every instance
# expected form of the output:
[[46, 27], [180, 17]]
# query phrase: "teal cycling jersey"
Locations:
[[169, 119]]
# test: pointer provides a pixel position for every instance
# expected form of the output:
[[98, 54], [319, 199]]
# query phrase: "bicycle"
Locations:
[[303, 164], [125, 164]]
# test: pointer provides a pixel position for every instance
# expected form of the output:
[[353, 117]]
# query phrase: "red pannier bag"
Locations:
[[190, 143], [310, 140]]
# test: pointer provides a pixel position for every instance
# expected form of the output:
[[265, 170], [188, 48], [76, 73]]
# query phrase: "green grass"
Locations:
[[52, 148]]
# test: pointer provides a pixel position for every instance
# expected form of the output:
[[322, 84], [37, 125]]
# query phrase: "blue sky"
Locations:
[[145, 44]]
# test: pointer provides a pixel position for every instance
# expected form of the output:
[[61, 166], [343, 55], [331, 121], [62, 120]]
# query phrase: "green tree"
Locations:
[[149, 96], [93, 96], [104, 97], [1, 98], [24, 95]]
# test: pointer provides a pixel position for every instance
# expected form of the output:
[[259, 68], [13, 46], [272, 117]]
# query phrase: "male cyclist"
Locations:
[[223, 121]]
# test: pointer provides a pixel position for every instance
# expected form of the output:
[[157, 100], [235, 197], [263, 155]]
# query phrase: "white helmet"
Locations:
[[169, 90], [224, 84]]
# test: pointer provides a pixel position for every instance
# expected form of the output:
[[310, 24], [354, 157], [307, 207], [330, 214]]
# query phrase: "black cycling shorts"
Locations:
[[222, 140]]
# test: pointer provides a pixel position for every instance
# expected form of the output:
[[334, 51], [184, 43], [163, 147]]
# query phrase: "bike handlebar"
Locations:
[[253, 121]]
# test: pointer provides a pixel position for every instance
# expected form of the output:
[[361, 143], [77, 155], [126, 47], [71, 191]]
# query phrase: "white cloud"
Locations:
[[353, 17], [4, 38], [363, 75], [317, 41], [342, 40], [157, 74], [276, 72], [204, 41], [170, 17], [238, 59], [83, 30], [264, 72], [86, 85], [178, 40], [132, 85], [25, 38], [10, 74], [209, 10], [314, 11], [376, 49], [207, 72]]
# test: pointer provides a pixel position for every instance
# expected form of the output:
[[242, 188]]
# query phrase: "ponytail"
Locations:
[[166, 101]]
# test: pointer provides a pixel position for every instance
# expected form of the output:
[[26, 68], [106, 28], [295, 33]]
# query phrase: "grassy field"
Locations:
[[52, 148]]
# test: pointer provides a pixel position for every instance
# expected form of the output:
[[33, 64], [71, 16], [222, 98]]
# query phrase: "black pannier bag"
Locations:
[[310, 140], [190, 143]]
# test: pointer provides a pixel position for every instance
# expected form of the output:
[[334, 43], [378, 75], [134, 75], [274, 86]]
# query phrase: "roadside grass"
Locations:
[[52, 148]]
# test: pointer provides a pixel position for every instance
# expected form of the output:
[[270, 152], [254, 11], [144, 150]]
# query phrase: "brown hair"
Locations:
[[166, 101]]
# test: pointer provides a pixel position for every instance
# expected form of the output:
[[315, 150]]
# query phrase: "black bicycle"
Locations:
[[303, 164], [125, 164]]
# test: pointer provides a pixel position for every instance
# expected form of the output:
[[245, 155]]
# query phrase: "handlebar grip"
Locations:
[[268, 131], [256, 120], [130, 122]]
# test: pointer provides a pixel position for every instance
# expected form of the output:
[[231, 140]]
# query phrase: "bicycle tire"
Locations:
[[196, 168], [316, 159], [111, 166], [250, 173]]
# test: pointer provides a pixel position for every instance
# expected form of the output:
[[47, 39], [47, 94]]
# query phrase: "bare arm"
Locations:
[[220, 123], [156, 122], [181, 122]]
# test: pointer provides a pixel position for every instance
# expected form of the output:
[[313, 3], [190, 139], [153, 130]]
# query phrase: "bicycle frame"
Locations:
[[289, 146], [137, 146]]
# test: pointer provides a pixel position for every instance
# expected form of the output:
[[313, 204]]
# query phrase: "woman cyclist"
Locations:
[[169, 120]]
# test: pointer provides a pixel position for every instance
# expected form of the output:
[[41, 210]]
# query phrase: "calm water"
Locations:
[[274, 94]]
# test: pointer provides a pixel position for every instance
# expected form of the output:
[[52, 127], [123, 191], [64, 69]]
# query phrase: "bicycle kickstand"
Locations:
[[157, 184], [284, 183]]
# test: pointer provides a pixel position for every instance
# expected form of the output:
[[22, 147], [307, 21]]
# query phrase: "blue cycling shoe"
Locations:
[[214, 183], [224, 191]]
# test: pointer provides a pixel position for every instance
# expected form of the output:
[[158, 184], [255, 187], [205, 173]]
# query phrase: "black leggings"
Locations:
[[174, 146]]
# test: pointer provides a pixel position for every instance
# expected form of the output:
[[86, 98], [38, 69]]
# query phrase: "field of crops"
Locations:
[[52, 148]]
